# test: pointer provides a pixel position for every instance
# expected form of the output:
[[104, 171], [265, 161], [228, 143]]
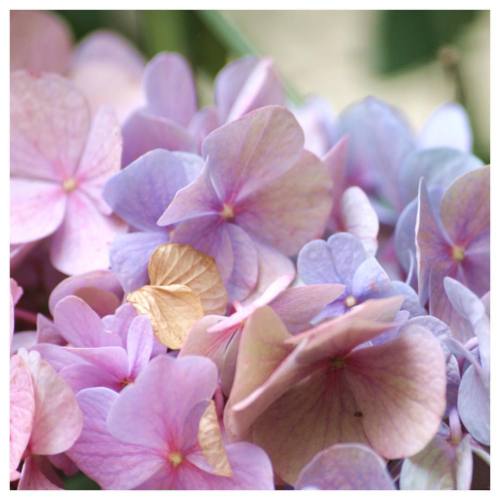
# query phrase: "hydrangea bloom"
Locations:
[[343, 260], [149, 436], [249, 331], [237, 209], [59, 163], [170, 120], [454, 241], [324, 387]]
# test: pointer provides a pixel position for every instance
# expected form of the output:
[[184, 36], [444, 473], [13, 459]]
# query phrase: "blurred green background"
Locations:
[[340, 55]]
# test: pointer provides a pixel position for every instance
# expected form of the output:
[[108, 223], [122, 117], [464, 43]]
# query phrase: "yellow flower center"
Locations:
[[175, 458], [69, 185], [350, 301], [227, 212], [457, 253], [337, 363]]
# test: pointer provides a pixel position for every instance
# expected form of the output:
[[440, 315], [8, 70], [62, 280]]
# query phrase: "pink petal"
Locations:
[[144, 131], [335, 161], [99, 289], [111, 463], [197, 199], [22, 410], [273, 266], [206, 339], [58, 420], [50, 121], [272, 217], [139, 345], [340, 335], [101, 157], [465, 208], [151, 412], [38, 474], [249, 153], [39, 42], [360, 219], [244, 275], [36, 209], [169, 88], [80, 325], [299, 305], [345, 467], [247, 84], [399, 419], [82, 242]]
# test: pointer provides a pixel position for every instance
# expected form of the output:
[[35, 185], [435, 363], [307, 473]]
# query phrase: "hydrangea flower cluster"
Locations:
[[250, 295]]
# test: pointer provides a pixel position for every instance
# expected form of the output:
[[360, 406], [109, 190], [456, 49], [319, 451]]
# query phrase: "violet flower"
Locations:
[[259, 198]]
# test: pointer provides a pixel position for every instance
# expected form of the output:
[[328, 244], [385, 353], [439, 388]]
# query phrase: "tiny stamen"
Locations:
[[457, 253], [337, 363], [175, 458], [69, 185], [350, 301], [227, 212]]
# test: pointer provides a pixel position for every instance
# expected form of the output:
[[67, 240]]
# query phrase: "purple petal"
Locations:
[[140, 193], [474, 405], [439, 167], [169, 88], [247, 154], [80, 325], [447, 126], [129, 256], [139, 345], [345, 467], [152, 411], [109, 462], [247, 84], [144, 131], [100, 289]]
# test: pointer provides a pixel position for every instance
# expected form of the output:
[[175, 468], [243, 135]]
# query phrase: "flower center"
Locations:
[[457, 253], [175, 458], [126, 381], [350, 301], [69, 185], [337, 363], [227, 212]]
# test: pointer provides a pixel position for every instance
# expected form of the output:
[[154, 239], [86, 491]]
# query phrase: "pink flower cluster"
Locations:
[[250, 295]]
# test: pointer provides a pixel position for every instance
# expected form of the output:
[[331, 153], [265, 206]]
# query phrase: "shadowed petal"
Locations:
[[22, 410], [54, 403], [345, 467], [169, 88], [144, 131]]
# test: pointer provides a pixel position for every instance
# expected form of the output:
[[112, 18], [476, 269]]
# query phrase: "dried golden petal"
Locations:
[[210, 440], [172, 309], [173, 263]]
